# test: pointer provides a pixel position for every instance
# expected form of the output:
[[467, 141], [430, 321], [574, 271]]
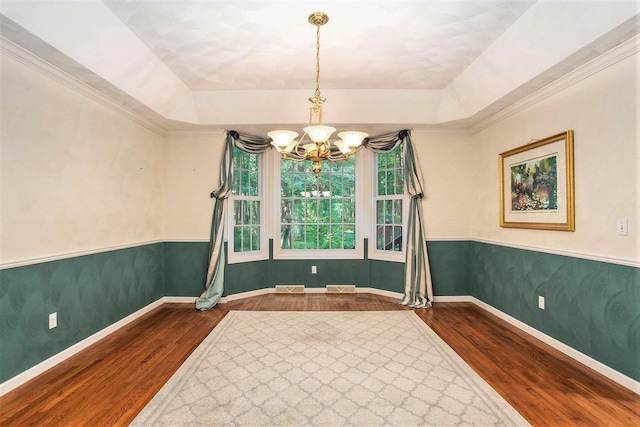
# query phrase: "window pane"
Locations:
[[336, 211], [286, 166], [382, 183], [298, 237], [324, 237], [286, 211], [237, 212], [397, 238], [349, 237], [349, 212], [298, 211], [237, 239], [397, 211], [235, 183], [253, 186], [319, 208], [312, 236], [323, 214], [245, 212], [286, 185], [244, 182], [399, 182], [285, 237], [255, 238], [312, 211], [380, 212], [380, 238], [336, 237], [390, 174], [336, 185], [246, 238], [255, 212]]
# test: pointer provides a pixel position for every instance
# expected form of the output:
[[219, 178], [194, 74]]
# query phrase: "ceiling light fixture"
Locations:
[[320, 149]]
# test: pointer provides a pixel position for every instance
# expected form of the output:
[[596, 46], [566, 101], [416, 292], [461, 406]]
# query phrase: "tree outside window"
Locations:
[[389, 197], [246, 199], [317, 213]]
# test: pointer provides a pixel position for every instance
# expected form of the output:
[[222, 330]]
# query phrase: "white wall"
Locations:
[[76, 176], [446, 164], [193, 171], [602, 109], [193, 161]]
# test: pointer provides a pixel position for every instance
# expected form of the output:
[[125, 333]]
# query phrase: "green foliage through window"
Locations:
[[318, 213], [390, 174], [245, 191]]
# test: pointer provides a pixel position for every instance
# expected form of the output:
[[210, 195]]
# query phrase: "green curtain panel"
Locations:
[[418, 287], [214, 285]]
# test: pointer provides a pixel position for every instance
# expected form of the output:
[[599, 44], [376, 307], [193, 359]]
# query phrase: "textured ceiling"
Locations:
[[398, 44], [385, 64]]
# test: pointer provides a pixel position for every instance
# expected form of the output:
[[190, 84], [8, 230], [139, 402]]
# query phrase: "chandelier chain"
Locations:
[[318, 60]]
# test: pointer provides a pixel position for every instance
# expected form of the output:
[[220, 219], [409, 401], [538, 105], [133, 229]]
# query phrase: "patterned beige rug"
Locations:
[[382, 368]]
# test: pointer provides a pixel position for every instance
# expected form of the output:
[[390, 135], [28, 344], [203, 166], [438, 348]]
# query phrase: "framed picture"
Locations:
[[536, 185]]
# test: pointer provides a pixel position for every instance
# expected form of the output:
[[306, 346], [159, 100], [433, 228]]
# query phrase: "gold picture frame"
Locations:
[[537, 185]]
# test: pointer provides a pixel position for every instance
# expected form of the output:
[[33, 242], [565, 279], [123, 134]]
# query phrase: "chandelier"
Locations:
[[320, 149]]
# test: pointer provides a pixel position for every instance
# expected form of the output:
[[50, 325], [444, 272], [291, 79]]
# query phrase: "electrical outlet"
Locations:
[[53, 320], [314, 269], [622, 226], [540, 302]]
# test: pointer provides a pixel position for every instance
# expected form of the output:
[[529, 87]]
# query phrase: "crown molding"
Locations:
[[38, 64], [211, 132], [596, 65]]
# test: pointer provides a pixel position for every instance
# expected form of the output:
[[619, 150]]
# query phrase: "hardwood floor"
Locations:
[[111, 381]]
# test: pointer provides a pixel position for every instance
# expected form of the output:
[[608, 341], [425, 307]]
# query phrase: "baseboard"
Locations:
[[599, 367], [180, 300], [49, 363]]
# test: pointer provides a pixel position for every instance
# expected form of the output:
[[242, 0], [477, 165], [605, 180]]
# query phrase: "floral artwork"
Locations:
[[537, 184], [534, 184]]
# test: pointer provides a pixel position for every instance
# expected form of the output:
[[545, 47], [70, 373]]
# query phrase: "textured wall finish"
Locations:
[[89, 293], [593, 307], [186, 269], [76, 176], [606, 144]]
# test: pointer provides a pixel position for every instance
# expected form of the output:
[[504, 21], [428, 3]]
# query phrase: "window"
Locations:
[[317, 214], [246, 201], [389, 201]]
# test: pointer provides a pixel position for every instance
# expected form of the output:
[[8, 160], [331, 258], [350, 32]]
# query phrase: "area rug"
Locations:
[[327, 369]]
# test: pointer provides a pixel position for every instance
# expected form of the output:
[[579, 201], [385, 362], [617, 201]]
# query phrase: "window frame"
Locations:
[[374, 252], [263, 253], [293, 254]]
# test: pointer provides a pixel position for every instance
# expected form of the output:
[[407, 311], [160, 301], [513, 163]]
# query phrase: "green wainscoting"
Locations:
[[186, 269], [593, 307], [89, 293], [450, 263], [185, 266]]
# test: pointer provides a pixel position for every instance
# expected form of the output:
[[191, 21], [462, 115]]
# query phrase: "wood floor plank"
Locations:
[[109, 382]]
